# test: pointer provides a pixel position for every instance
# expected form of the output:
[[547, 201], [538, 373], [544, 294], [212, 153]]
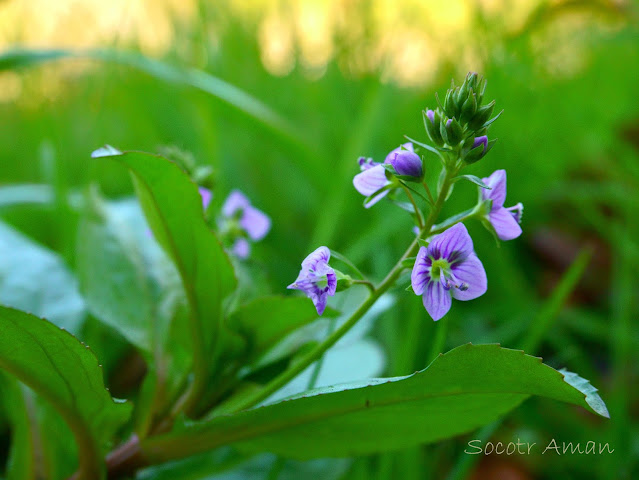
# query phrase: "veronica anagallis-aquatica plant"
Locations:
[[167, 273]]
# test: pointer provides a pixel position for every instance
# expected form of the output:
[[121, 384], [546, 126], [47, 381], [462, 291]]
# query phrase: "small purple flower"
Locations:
[[373, 176], [251, 222], [483, 140], [206, 195], [317, 279], [448, 268], [431, 116], [408, 163], [505, 221]]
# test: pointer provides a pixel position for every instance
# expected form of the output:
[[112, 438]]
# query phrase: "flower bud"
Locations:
[[483, 140], [431, 123], [407, 163]]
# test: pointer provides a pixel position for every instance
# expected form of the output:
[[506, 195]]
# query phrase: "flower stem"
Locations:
[[313, 355], [418, 214]]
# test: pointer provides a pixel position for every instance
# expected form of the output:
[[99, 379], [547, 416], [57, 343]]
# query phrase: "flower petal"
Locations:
[[320, 255], [420, 277], [206, 195], [406, 146], [453, 244], [320, 302], [370, 180], [255, 223], [472, 273], [437, 300], [331, 278], [241, 248], [504, 224], [234, 202], [497, 183]]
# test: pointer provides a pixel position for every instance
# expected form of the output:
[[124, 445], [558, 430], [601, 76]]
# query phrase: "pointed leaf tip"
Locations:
[[106, 151]]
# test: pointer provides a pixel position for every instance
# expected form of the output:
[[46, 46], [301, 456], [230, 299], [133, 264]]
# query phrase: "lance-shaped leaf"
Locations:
[[466, 388], [173, 208], [65, 373]]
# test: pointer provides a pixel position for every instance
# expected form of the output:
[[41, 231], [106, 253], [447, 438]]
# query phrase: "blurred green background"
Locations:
[[328, 81]]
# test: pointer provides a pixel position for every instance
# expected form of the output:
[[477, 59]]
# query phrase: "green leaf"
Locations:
[[226, 92], [65, 373], [464, 389], [225, 465], [173, 208], [267, 320], [35, 279], [473, 179], [21, 463]]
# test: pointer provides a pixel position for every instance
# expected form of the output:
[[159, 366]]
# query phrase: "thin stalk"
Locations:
[[430, 195], [366, 283], [418, 215], [313, 355]]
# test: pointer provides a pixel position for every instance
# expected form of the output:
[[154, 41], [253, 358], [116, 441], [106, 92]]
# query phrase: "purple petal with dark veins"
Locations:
[[453, 244], [437, 300], [320, 255], [504, 224], [420, 276], [472, 273], [369, 181], [497, 183]]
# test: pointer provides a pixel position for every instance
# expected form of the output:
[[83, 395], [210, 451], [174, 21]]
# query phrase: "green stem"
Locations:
[[366, 283], [313, 355], [418, 215]]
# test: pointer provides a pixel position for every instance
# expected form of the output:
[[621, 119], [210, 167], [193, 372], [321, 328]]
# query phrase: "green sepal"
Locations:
[[344, 281], [408, 262], [489, 122], [473, 179], [422, 243]]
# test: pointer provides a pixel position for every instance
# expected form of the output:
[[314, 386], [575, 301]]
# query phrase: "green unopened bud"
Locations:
[[453, 132], [449, 102], [482, 116], [468, 108], [204, 175]]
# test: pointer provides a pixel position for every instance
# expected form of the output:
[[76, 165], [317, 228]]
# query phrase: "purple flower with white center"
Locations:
[[505, 221], [317, 279], [373, 176], [448, 268], [250, 222]]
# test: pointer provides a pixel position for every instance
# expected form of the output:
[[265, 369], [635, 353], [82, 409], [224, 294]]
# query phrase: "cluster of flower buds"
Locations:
[[460, 124]]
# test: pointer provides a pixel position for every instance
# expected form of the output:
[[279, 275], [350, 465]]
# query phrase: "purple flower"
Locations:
[[373, 176], [505, 221], [431, 116], [240, 220], [408, 163], [316, 279], [206, 195], [448, 268], [483, 140]]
